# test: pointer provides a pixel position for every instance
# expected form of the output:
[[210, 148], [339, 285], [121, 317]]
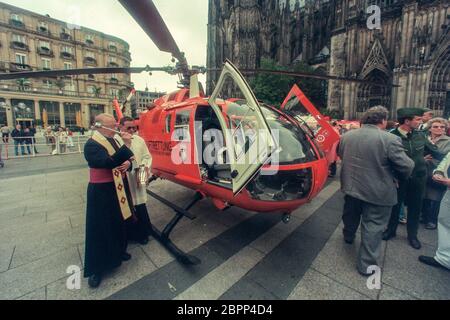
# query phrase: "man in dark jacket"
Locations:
[[18, 136], [372, 160], [411, 191]]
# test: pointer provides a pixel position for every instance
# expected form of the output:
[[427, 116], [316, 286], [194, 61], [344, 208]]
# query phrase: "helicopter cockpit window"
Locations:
[[295, 109], [294, 147]]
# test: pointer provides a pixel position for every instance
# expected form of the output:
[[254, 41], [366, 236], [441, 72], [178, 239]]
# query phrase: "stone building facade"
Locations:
[[411, 49], [30, 42]]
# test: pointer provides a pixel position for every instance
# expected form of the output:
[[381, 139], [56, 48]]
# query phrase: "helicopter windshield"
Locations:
[[294, 147]]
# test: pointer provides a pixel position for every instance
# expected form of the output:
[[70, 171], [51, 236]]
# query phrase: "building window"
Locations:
[[44, 45], [43, 26], [18, 38], [67, 65], [114, 92], [23, 109], [90, 54], [21, 59], [47, 84], [89, 39], [16, 21], [16, 17], [50, 112], [46, 64], [65, 35], [67, 49], [112, 46], [72, 114]]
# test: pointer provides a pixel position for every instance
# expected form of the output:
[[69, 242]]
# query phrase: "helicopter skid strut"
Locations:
[[163, 236]]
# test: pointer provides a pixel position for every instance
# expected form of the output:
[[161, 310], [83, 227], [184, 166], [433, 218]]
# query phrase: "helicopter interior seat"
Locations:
[[217, 170]]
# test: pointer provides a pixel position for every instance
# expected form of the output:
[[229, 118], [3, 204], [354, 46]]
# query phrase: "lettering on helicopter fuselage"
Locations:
[[160, 147]]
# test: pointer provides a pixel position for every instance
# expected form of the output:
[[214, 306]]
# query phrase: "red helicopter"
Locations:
[[228, 147]]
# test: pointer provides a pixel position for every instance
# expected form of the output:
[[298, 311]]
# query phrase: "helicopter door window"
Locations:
[[168, 122], [248, 139], [300, 107], [182, 125]]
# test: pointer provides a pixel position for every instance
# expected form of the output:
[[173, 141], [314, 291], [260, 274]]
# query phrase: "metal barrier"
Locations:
[[29, 147]]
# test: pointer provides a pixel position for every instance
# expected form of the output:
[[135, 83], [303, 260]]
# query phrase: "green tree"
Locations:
[[23, 83], [97, 91], [273, 89]]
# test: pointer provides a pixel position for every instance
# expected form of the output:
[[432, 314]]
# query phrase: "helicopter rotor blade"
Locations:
[[311, 75], [75, 72], [148, 17]]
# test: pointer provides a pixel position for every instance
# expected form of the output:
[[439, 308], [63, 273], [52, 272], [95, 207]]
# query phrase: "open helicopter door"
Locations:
[[248, 139], [301, 108]]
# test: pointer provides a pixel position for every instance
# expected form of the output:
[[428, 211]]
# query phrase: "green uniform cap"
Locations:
[[410, 112]]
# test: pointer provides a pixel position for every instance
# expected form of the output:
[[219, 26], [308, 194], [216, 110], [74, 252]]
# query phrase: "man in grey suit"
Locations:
[[372, 161]]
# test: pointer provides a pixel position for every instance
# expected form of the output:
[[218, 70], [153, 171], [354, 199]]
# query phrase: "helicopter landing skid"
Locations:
[[163, 236]]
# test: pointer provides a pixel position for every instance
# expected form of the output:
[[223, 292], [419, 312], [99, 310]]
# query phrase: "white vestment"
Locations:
[[142, 158]]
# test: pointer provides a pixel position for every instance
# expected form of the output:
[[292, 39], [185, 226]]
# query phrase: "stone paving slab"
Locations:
[[17, 282], [317, 286], [129, 272]]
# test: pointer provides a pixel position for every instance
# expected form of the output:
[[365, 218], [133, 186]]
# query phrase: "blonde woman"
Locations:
[[442, 257], [437, 128]]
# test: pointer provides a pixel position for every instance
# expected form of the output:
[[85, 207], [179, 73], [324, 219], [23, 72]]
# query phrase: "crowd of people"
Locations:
[[395, 170], [23, 137], [59, 141]]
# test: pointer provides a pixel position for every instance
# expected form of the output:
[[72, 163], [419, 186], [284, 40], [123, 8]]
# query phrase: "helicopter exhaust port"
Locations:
[[286, 218]]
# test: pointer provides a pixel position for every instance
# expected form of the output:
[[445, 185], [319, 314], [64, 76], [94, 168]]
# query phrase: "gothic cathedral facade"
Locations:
[[409, 51]]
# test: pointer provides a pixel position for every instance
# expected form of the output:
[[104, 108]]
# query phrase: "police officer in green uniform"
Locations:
[[412, 190]]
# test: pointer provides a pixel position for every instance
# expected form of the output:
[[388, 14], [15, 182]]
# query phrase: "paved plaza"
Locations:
[[244, 255]]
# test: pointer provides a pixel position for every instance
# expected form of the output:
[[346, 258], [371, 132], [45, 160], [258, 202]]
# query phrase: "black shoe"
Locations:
[[144, 241], [349, 240], [387, 235], [126, 257], [432, 262], [415, 243], [94, 281], [365, 274], [431, 226]]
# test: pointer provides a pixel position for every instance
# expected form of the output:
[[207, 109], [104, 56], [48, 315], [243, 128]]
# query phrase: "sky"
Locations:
[[186, 20]]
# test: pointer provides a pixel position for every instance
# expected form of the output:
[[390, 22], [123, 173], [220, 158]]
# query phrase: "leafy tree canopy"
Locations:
[[273, 89]]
